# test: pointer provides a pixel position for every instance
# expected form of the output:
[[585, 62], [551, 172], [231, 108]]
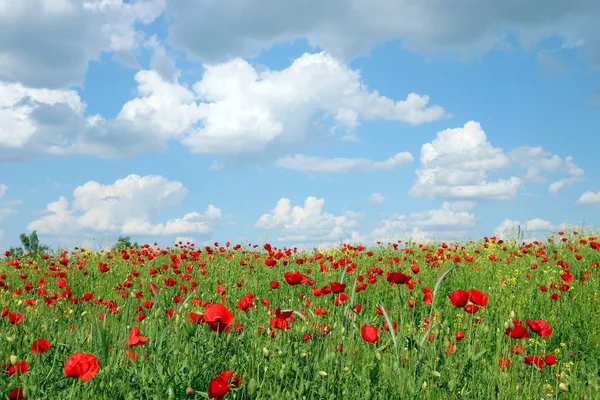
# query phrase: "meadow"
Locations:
[[489, 319]]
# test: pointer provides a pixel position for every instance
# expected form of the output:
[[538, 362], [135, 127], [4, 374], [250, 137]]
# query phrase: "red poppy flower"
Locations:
[[295, 278], [518, 332], [540, 327], [218, 317], [550, 359], [135, 339], [82, 366], [16, 394], [459, 335], [477, 297], [369, 333], [40, 346], [15, 318], [398, 278], [535, 360], [218, 388], [280, 320], [504, 363], [459, 298], [337, 287], [517, 349], [20, 368]]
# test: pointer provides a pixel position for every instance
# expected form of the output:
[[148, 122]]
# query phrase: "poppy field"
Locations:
[[488, 319]]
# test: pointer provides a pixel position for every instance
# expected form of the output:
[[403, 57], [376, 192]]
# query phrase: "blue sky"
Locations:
[[303, 123]]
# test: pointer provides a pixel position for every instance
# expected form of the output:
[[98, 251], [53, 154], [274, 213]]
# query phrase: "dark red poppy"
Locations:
[[16, 394], [518, 332], [82, 366], [40, 346], [280, 321], [337, 287], [398, 278], [15, 318]]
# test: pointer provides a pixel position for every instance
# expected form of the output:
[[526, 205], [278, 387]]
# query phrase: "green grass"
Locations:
[[406, 365]]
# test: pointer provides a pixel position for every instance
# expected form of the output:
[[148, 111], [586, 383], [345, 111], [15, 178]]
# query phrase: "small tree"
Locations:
[[124, 242], [29, 245]]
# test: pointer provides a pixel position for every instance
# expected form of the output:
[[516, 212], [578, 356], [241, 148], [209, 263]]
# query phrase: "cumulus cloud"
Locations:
[[538, 162], [234, 110], [126, 206], [313, 164], [376, 198], [589, 197], [50, 43], [249, 111], [509, 228], [455, 165], [307, 224], [348, 28], [442, 223]]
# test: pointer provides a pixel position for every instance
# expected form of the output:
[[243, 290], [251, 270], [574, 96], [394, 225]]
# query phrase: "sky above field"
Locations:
[[296, 122]]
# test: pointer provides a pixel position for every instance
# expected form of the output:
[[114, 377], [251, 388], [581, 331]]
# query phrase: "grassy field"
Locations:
[[485, 320]]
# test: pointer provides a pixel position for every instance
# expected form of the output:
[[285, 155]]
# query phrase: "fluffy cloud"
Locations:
[[589, 197], [537, 161], [42, 121], [342, 165], [249, 111], [49, 43], [233, 110], [509, 228], [443, 223], [376, 198], [307, 224], [456, 163], [127, 206], [352, 27]]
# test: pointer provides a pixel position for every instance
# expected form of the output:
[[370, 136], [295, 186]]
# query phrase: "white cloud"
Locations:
[[443, 223], [50, 43], [126, 206], [352, 27], [307, 224], [233, 110], [589, 197], [249, 111], [376, 198], [456, 163], [509, 228], [538, 162], [3, 189], [304, 163]]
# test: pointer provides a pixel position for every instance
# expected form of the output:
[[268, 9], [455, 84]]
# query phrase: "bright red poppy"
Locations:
[[135, 339], [369, 333], [459, 298], [82, 366], [540, 327], [218, 317]]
